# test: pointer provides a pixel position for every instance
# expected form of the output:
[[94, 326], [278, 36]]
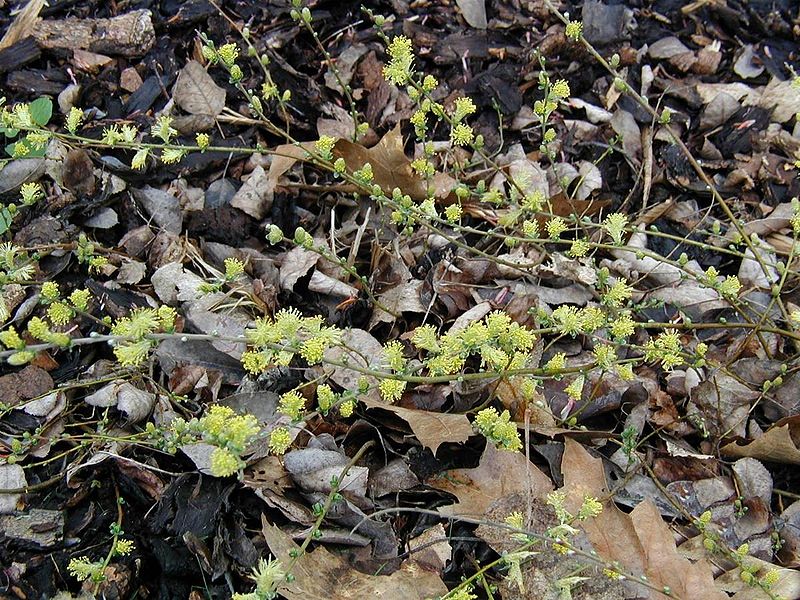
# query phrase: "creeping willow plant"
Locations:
[[493, 348]]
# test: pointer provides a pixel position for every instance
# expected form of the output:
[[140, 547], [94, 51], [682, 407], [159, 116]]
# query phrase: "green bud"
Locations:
[[300, 236], [274, 235], [20, 358]]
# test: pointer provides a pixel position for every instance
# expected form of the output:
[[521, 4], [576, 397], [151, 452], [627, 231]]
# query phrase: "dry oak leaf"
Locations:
[[779, 443], [321, 575], [640, 541], [431, 428], [499, 473], [391, 167]]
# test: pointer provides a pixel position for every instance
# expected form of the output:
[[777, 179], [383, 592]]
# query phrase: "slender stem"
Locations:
[[331, 498]]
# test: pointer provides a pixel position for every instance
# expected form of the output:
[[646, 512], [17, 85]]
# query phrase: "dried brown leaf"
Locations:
[[431, 428], [777, 444], [641, 542], [511, 397], [362, 349], [325, 284], [500, 473], [664, 566], [787, 586], [430, 549], [724, 404], [164, 208], [782, 97], [28, 383], [399, 299], [38, 528], [134, 403], [612, 534], [474, 12], [313, 469], [391, 167], [320, 575], [196, 93]]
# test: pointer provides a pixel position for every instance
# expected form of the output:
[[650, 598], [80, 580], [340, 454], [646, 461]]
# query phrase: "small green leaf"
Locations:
[[41, 110], [30, 154], [5, 220]]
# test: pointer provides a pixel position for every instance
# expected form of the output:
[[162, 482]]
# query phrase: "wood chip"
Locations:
[[130, 80], [131, 34]]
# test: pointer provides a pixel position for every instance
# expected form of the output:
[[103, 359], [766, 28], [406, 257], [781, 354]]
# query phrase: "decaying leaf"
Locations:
[[511, 397], [499, 473], [779, 443], [786, 586], [364, 349], [196, 93], [432, 429], [161, 206], [313, 468], [430, 549], [30, 382], [200, 454], [39, 528], [724, 404], [255, 195], [325, 284], [136, 404], [391, 167], [399, 299], [474, 12], [321, 575], [296, 264], [641, 542], [12, 477]]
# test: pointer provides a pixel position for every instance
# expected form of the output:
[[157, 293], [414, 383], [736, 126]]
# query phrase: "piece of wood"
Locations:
[[23, 23], [142, 99], [50, 82], [131, 34], [19, 54]]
